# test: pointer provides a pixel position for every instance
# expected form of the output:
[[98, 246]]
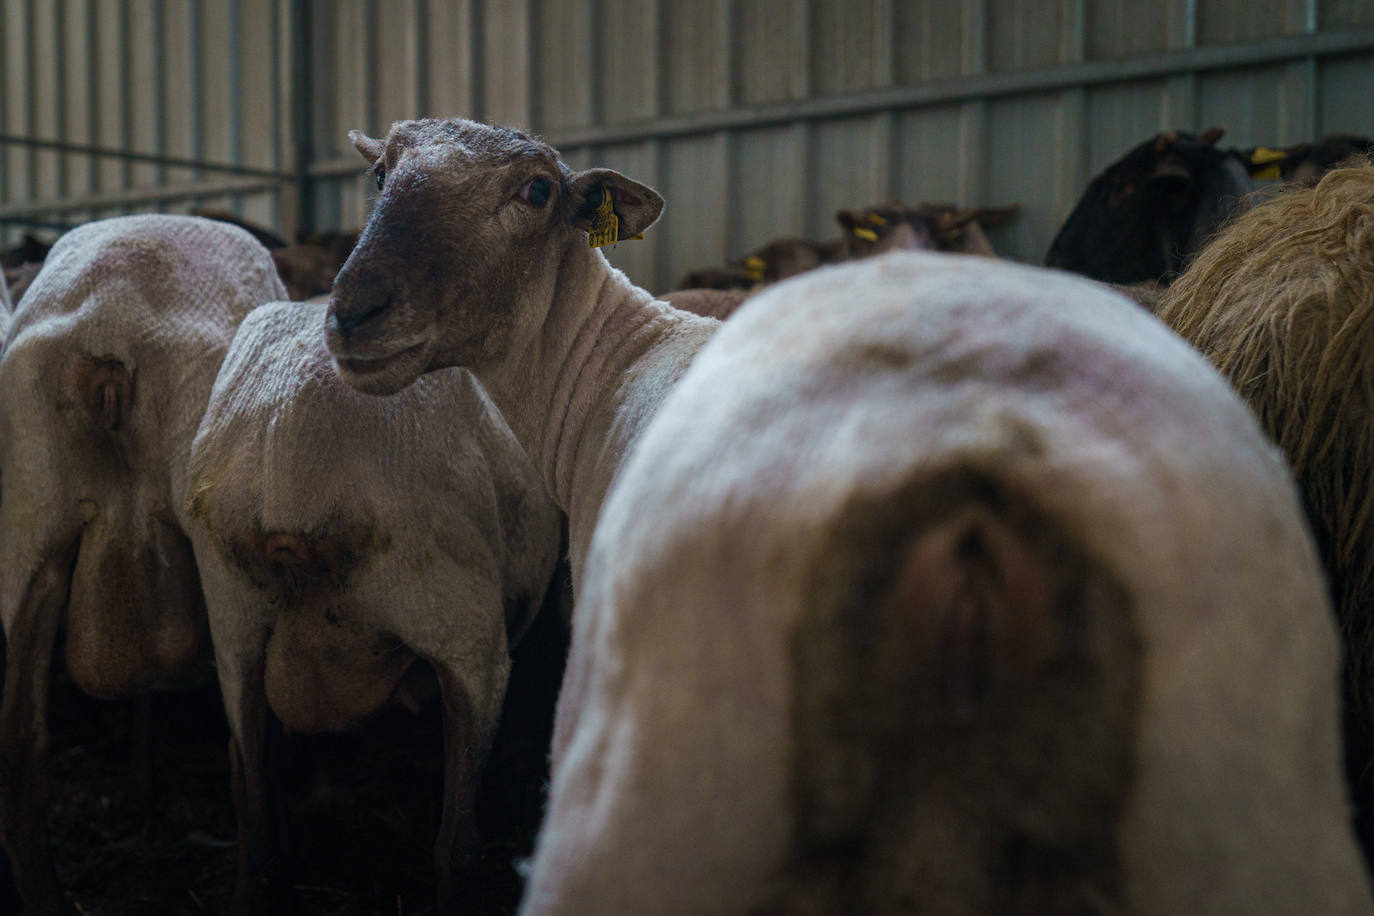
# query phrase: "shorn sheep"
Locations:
[[574, 355], [1282, 302], [103, 379], [927, 583], [353, 550]]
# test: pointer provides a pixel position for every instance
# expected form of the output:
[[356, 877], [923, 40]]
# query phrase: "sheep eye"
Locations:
[[381, 176], [536, 191]]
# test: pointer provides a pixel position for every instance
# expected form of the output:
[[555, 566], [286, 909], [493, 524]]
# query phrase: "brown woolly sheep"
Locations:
[[1282, 302]]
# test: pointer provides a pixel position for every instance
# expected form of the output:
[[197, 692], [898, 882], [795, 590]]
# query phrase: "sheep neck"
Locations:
[[578, 395]]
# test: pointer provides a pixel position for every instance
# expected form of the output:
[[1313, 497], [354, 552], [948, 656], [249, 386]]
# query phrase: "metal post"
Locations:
[[302, 119]]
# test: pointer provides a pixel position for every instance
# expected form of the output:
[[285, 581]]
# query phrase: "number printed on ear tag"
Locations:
[[605, 228]]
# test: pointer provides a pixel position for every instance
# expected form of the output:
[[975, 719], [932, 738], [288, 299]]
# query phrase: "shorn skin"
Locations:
[[936, 584], [996, 601], [347, 544], [102, 384]]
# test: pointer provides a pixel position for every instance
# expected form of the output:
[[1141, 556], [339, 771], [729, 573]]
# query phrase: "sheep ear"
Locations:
[[636, 206], [367, 147], [1212, 134]]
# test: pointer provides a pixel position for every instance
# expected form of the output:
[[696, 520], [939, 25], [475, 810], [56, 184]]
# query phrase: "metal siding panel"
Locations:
[[771, 51], [1015, 126], [395, 38], [143, 91], [1122, 117], [769, 197], [1023, 34], [697, 48], [111, 119], [217, 92], [637, 258], [582, 158], [46, 91], [851, 158], [346, 201], [627, 70], [693, 184], [930, 165], [564, 44], [1124, 28], [179, 102], [1346, 14], [78, 106], [450, 57], [348, 78], [506, 62], [258, 111], [1248, 103], [1232, 21], [928, 41], [1346, 103], [15, 185], [849, 45]]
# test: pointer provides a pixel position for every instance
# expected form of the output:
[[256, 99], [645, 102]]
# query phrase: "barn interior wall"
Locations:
[[755, 118]]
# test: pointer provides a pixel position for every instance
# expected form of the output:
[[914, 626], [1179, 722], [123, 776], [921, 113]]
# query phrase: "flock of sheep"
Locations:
[[926, 582]]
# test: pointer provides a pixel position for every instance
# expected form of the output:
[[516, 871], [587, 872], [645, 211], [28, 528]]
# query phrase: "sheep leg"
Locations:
[[457, 842], [24, 737], [140, 754], [254, 748]]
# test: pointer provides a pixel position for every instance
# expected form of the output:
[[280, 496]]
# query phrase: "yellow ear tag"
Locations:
[[605, 228], [868, 234], [876, 220], [1264, 155], [754, 266]]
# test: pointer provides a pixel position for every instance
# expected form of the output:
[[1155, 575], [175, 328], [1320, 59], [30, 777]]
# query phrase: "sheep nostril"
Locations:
[[349, 321]]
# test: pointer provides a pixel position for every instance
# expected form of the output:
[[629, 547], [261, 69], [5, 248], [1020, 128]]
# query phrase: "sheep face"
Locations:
[[458, 262]]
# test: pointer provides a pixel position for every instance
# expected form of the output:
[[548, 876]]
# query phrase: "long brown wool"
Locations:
[[1282, 302]]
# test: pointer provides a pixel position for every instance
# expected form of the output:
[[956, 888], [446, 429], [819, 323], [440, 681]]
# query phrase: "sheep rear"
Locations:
[[972, 649]]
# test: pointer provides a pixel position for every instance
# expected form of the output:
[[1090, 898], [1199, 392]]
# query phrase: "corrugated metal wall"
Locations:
[[174, 80], [755, 118]]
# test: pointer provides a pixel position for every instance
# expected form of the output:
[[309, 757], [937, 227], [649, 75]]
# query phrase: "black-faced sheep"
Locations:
[[1148, 213]]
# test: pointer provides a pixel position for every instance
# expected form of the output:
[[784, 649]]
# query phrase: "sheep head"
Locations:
[[458, 263]]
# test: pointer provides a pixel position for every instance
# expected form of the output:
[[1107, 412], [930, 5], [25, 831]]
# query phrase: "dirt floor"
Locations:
[[364, 809]]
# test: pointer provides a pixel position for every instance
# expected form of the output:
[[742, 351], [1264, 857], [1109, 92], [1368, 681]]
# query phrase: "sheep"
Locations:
[[1148, 213], [930, 227], [709, 303], [268, 238], [353, 549], [905, 478], [1306, 163], [103, 379], [893, 226], [1115, 685], [1283, 304], [381, 327], [18, 279]]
